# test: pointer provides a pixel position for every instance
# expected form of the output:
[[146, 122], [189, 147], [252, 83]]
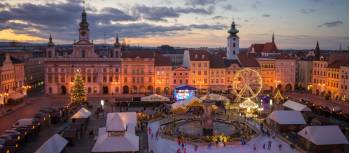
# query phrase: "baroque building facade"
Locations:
[[144, 72]]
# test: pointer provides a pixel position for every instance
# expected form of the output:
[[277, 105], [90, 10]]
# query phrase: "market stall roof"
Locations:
[[184, 103], [287, 117], [185, 87], [82, 113], [125, 143], [214, 97], [55, 144], [155, 97], [120, 121], [324, 135], [296, 106]]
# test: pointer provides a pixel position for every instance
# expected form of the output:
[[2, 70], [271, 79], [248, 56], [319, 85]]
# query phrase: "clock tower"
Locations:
[[84, 28]]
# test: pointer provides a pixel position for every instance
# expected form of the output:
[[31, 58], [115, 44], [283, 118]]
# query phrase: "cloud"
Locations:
[[331, 24], [202, 2], [63, 18], [229, 7], [218, 17], [306, 11], [156, 13], [266, 15]]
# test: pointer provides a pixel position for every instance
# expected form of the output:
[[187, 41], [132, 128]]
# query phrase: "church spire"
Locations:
[[50, 41], [116, 43], [317, 51], [84, 27], [273, 37]]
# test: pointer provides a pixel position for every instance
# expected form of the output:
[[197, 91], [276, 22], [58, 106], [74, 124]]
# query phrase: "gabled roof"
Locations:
[[246, 60], [324, 135], [14, 60], [125, 143], [269, 47], [286, 117], [55, 144], [180, 68], [199, 55], [296, 106]]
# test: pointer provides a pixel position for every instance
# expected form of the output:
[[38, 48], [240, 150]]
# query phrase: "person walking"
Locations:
[[263, 146], [269, 145]]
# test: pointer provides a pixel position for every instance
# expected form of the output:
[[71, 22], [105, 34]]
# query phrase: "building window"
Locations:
[[104, 79], [174, 81], [125, 79], [95, 79]]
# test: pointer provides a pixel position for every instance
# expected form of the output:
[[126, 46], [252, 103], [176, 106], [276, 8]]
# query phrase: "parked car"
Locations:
[[10, 140], [32, 123], [5, 148], [18, 135]]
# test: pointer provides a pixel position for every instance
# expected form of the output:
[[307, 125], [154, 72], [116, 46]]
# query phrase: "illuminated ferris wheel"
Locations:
[[247, 84]]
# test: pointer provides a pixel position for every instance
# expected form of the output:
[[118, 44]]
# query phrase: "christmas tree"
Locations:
[[78, 93]]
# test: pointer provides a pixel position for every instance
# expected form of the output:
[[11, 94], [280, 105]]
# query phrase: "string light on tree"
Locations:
[[78, 93]]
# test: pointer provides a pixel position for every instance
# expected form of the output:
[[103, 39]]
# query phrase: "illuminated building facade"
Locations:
[[330, 77]]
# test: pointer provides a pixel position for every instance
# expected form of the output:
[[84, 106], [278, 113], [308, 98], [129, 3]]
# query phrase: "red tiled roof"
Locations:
[[199, 55], [140, 54], [257, 48], [269, 47], [216, 62], [247, 60], [220, 53], [338, 64], [161, 60], [336, 60]]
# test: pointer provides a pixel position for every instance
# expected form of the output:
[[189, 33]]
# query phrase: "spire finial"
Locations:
[[84, 5], [273, 37]]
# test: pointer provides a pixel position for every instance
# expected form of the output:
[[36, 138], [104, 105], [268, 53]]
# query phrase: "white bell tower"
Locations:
[[232, 49]]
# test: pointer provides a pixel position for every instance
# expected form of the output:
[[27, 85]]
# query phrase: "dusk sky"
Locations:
[[297, 24]]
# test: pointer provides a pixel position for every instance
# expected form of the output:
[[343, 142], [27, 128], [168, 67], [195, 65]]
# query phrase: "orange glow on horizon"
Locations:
[[11, 35]]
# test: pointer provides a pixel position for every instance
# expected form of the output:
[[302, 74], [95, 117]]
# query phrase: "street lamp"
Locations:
[[25, 89]]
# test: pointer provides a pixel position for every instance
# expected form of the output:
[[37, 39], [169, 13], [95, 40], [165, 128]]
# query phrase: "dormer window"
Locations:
[[203, 56], [195, 56]]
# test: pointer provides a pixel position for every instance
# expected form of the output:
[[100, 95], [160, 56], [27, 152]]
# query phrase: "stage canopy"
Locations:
[[155, 97], [185, 87], [82, 113], [324, 135], [55, 144], [105, 143], [296, 106], [287, 117]]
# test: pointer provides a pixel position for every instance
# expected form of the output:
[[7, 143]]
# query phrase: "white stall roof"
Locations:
[[82, 113], [287, 117], [120, 121], [296, 106], [324, 135], [53, 145], [215, 97], [126, 143], [155, 97]]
